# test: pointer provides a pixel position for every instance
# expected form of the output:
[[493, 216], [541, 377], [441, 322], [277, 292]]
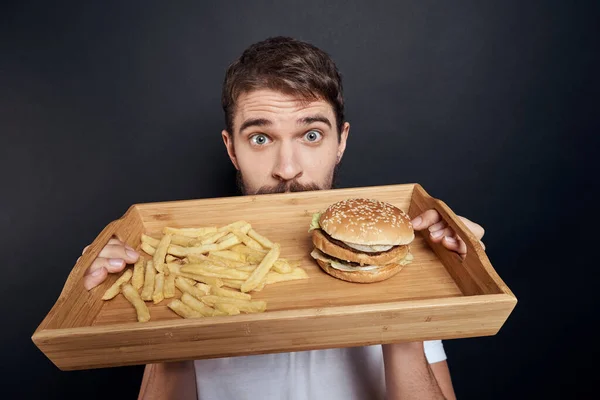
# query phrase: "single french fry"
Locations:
[[137, 280], [183, 310], [159, 288], [148, 249], [237, 284], [230, 309], [227, 243], [177, 251], [262, 270], [196, 258], [190, 232], [242, 248], [225, 262], [282, 266], [181, 240], [221, 292], [260, 286], [188, 280], [241, 225], [228, 236], [263, 241], [214, 271], [116, 287], [204, 287], [233, 283], [169, 290], [208, 239], [212, 281], [148, 288], [297, 273], [197, 305], [134, 298], [243, 305], [172, 259], [161, 253], [229, 255], [150, 240], [185, 287], [247, 268], [247, 240]]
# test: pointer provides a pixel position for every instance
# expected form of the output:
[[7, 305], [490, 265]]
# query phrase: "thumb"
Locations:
[[95, 278]]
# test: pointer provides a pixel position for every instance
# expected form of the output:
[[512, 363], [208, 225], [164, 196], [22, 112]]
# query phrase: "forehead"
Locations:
[[278, 107]]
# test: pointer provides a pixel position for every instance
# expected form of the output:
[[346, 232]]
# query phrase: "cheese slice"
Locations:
[[368, 249], [337, 264]]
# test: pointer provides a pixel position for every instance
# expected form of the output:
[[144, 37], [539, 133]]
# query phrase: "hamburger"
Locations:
[[362, 240]]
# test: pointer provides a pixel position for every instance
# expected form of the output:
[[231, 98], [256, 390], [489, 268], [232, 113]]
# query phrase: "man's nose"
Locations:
[[287, 167]]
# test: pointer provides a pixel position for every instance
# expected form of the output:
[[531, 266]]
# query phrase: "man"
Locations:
[[285, 131]]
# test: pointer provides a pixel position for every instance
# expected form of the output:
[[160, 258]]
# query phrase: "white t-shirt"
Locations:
[[333, 374]]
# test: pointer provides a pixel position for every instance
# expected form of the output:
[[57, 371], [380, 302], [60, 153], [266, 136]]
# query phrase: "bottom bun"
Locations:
[[376, 275]]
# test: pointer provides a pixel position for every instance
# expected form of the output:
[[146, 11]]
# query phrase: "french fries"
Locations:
[[229, 293], [148, 288], [230, 309], [161, 253], [190, 232], [183, 310], [247, 240], [169, 290], [197, 305], [159, 291], [132, 295], [192, 289], [242, 305], [147, 247], [262, 270], [137, 280], [116, 287], [207, 271]]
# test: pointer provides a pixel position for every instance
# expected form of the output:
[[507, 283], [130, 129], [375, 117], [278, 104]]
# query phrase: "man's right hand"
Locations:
[[113, 258]]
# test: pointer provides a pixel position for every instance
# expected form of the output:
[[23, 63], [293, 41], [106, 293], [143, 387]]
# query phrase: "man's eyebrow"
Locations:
[[314, 118], [255, 122]]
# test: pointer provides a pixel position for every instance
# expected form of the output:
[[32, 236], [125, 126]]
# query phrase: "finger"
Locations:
[[455, 244], [119, 251], [482, 244], [95, 278], [439, 226], [112, 265], [111, 241], [475, 228], [426, 219], [438, 236]]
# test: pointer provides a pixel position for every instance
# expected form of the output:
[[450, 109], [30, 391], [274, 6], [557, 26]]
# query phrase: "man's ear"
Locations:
[[228, 140], [342, 143]]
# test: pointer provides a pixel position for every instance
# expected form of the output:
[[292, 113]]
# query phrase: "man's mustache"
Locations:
[[288, 186]]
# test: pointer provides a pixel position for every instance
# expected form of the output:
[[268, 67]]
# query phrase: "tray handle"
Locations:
[[74, 297], [474, 274]]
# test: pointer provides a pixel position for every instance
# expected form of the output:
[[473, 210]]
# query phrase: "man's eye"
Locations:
[[313, 136], [259, 139]]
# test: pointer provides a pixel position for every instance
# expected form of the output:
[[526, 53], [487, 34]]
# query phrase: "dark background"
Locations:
[[491, 106]]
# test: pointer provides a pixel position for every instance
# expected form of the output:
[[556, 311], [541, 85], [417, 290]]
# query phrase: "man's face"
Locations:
[[281, 144]]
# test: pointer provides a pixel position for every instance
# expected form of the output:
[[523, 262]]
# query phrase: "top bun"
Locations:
[[367, 222]]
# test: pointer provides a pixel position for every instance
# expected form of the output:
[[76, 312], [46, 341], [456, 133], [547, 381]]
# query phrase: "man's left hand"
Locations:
[[439, 231]]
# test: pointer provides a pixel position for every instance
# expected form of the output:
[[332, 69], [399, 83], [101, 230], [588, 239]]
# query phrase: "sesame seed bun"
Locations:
[[367, 222], [362, 240]]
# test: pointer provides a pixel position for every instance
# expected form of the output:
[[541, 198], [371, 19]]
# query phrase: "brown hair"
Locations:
[[286, 65]]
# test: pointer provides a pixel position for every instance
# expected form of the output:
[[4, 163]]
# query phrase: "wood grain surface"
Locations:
[[438, 295]]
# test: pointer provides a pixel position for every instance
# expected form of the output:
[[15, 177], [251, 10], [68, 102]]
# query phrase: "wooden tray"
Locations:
[[437, 296]]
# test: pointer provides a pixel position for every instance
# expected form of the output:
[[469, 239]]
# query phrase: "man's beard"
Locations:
[[287, 186]]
